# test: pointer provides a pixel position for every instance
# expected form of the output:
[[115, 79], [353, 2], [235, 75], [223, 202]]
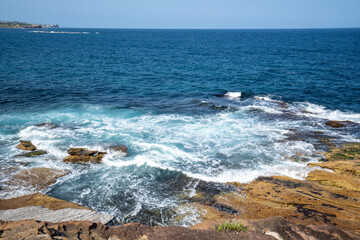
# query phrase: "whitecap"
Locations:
[[233, 95]]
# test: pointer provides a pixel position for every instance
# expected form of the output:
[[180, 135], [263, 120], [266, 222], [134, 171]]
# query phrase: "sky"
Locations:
[[213, 14]]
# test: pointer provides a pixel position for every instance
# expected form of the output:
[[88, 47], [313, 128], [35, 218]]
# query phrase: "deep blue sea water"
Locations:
[[212, 105]]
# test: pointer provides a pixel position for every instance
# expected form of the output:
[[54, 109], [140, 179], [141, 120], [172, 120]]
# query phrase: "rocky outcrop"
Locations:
[[83, 155], [37, 178], [268, 229], [325, 198], [337, 124], [61, 215], [334, 180], [31, 229], [47, 125], [26, 145], [120, 148], [38, 199], [32, 153]]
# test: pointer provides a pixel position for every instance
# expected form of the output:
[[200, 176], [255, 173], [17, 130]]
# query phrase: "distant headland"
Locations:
[[15, 24]]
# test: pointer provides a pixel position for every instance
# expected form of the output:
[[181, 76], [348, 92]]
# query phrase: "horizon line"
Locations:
[[155, 28]]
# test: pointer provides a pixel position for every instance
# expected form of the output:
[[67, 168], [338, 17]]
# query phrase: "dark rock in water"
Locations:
[[336, 124], [47, 125], [81, 151], [32, 153], [84, 155], [26, 145], [282, 104], [120, 148], [307, 112]]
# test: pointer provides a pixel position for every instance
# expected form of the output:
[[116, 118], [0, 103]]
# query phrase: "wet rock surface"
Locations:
[[120, 148], [47, 125], [37, 178], [32, 153], [83, 155], [337, 124], [26, 145]]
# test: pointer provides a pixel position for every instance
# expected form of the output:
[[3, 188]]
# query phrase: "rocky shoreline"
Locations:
[[324, 206]]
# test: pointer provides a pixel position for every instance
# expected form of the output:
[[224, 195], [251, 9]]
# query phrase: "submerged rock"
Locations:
[[47, 125], [84, 155], [37, 178], [32, 153], [26, 145], [337, 124]]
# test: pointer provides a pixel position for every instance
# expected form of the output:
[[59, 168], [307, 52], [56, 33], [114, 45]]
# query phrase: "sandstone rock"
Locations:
[[258, 230], [84, 155], [37, 178], [32, 229], [349, 152], [334, 179], [120, 148], [32, 153], [61, 215], [280, 228], [348, 168], [26, 145], [47, 125], [325, 198], [336, 124], [307, 112], [38, 199], [301, 202]]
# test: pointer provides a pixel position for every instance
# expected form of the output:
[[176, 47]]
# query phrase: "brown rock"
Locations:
[[258, 230], [336, 124], [31, 229], [47, 125], [304, 111], [301, 202], [32, 153], [26, 145], [120, 148], [38, 199], [84, 155], [348, 168], [334, 180], [37, 178]]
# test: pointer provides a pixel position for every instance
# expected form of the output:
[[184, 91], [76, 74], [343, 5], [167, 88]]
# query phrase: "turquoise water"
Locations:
[[191, 105]]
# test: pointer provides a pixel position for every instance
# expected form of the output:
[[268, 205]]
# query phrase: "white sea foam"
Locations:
[[318, 111], [233, 95], [223, 147], [267, 109], [59, 32], [267, 98]]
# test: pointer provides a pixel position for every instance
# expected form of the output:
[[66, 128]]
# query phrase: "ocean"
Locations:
[[192, 106]]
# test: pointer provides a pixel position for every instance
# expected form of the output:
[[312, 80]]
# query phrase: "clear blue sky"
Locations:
[[185, 13]]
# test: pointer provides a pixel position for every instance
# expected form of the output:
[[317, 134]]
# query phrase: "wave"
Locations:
[[233, 95], [318, 111], [60, 32]]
